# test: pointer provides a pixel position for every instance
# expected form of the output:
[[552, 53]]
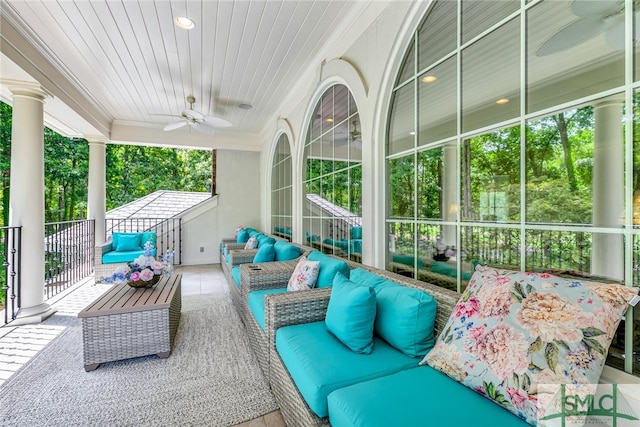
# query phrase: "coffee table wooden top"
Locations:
[[123, 298]]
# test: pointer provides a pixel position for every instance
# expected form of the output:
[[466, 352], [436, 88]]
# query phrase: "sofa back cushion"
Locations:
[[266, 253], [264, 240], [351, 314], [405, 319], [286, 251], [328, 268], [356, 232], [131, 238], [409, 260], [243, 236]]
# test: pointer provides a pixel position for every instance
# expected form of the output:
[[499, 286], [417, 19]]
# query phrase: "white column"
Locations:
[[97, 196], [607, 257], [27, 198], [449, 193]]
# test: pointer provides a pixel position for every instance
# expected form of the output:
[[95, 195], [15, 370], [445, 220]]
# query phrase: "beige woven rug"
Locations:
[[210, 379]]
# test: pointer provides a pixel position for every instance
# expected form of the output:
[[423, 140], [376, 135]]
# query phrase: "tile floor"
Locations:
[[18, 344]]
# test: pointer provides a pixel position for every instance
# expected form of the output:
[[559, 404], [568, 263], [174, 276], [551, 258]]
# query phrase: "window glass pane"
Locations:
[[435, 38], [341, 144], [355, 139], [401, 249], [408, 65], [340, 104], [355, 190], [560, 70], [499, 247], [478, 16], [316, 123], [430, 173], [437, 103], [341, 189], [491, 78], [490, 176], [560, 159], [401, 187], [401, 124]]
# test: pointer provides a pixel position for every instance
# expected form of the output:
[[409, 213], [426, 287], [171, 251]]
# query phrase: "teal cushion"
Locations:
[[407, 260], [266, 253], [148, 236], [364, 277], [405, 319], [266, 241], [328, 268], [129, 242], [243, 236], [235, 273], [118, 257], [449, 270], [415, 397], [356, 232], [351, 314], [256, 303], [286, 251], [318, 363]]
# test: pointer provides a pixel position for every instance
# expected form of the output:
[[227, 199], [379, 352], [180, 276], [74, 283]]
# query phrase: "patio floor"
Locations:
[[20, 343]]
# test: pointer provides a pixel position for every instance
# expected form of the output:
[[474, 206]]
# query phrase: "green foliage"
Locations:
[[131, 171]]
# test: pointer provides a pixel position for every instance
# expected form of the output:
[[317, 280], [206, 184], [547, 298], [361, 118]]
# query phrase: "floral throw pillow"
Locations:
[[252, 243], [304, 276], [512, 331]]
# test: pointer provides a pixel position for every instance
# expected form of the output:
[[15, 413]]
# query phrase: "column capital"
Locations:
[[22, 88], [96, 139]]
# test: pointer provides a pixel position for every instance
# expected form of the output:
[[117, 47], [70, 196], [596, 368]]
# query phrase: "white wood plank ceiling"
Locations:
[[130, 60]]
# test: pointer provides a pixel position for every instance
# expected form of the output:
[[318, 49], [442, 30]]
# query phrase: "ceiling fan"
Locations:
[[594, 17], [197, 120]]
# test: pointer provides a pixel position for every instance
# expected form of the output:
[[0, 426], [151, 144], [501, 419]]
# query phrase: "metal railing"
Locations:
[[10, 254], [168, 232], [68, 254]]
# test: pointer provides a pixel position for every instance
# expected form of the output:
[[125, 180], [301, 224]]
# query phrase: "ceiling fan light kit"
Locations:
[[198, 121]]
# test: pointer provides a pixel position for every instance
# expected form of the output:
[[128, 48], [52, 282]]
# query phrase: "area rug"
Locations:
[[211, 378]]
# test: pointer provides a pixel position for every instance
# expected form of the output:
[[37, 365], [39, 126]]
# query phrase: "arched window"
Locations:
[[507, 144], [333, 176], [281, 189]]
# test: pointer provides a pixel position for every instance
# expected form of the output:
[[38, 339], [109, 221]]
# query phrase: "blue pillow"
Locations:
[[266, 240], [328, 268], [243, 236], [366, 278], [405, 319], [266, 253], [351, 314], [286, 251], [128, 242]]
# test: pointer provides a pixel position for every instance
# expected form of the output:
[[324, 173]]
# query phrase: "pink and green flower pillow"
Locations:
[[511, 331]]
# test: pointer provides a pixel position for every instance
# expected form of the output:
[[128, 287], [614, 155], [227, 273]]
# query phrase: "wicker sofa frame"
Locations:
[[304, 307]]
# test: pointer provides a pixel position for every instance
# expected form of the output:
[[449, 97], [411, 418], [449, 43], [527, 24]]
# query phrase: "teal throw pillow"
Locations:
[[128, 242], [356, 232], [351, 314], [405, 319], [286, 251], [243, 236], [266, 253], [329, 266]]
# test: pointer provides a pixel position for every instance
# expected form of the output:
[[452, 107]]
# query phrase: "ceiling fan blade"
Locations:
[[176, 125], [203, 128], [596, 8], [217, 122], [572, 35]]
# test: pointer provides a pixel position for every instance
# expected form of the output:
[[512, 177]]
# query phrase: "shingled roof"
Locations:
[[159, 204]]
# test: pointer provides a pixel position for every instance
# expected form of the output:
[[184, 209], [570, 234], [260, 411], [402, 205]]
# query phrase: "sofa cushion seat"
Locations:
[[255, 301], [415, 397], [319, 364], [124, 256]]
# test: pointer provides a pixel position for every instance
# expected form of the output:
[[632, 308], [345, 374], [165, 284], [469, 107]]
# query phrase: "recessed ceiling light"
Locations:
[[184, 22], [245, 106], [502, 101], [429, 79], [329, 120], [412, 133]]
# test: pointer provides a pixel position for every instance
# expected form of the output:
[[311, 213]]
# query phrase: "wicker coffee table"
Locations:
[[127, 322]]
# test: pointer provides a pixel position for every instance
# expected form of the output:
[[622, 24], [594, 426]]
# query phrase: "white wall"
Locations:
[[200, 230]]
